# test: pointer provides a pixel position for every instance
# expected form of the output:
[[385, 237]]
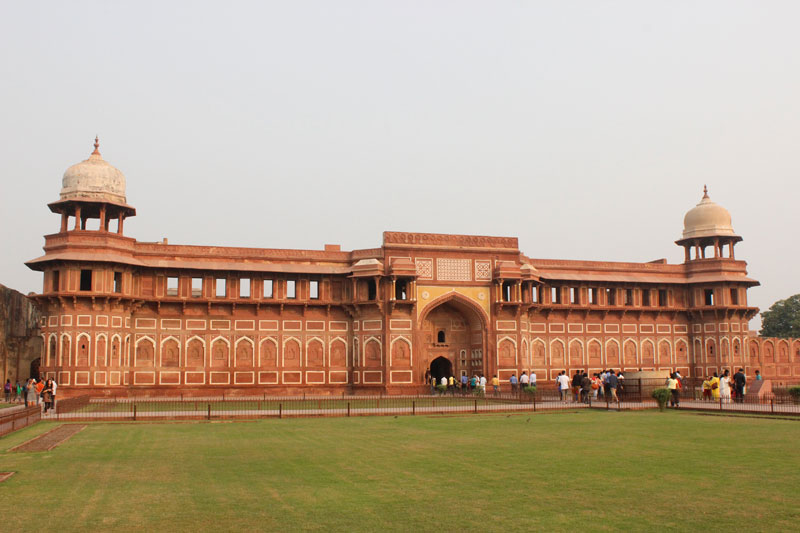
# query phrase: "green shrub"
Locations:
[[794, 392], [441, 388], [530, 390], [662, 396]]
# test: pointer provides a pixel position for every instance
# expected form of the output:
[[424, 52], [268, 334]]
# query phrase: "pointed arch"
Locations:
[[630, 353], [315, 352], [52, 349], [594, 353], [170, 349], [220, 352], [83, 349], [681, 352], [664, 353], [459, 300], [539, 353], [195, 350], [557, 351], [144, 350], [648, 353], [338, 352], [373, 352], [115, 358], [292, 352], [576, 353], [65, 356], [613, 354], [101, 350], [268, 352], [400, 352]]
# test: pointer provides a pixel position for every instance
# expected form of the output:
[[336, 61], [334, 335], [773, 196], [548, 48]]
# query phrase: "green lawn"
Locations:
[[632, 471]]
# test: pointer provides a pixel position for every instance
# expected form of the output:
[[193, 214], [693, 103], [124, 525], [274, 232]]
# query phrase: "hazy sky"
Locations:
[[586, 129]]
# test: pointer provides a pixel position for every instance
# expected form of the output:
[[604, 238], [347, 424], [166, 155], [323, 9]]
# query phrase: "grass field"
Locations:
[[633, 471]]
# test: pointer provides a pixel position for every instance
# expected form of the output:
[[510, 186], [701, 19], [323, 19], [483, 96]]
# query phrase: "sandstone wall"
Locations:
[[20, 340]]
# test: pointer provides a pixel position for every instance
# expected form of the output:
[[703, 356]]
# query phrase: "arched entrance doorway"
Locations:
[[452, 338], [441, 367], [35, 368]]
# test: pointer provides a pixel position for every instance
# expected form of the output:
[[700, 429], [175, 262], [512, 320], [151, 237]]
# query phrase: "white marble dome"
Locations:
[[707, 219], [93, 179]]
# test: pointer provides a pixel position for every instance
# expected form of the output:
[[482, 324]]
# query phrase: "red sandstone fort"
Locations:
[[126, 317]]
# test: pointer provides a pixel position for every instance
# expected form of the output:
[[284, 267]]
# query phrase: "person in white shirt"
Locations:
[[483, 383], [443, 381], [563, 385], [523, 380], [53, 395], [533, 379]]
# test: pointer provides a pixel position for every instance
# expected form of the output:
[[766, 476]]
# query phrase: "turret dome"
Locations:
[[707, 219], [94, 180]]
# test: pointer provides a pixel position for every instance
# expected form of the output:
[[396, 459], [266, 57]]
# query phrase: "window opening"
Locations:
[[555, 295], [172, 286], [646, 297], [734, 296], [440, 337], [220, 288], [611, 297], [662, 298], [267, 288], [534, 294], [574, 292], [709, 296], [291, 288], [506, 291], [400, 290], [197, 287], [372, 291], [313, 289], [57, 280], [593, 296], [628, 297], [244, 287], [117, 281], [86, 280]]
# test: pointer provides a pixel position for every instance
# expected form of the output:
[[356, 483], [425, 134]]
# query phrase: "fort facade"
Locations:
[[119, 316]]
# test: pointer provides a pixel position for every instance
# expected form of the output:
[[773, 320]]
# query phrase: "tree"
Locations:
[[782, 319]]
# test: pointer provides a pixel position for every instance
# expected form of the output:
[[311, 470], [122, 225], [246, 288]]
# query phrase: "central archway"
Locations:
[[453, 328], [441, 367]]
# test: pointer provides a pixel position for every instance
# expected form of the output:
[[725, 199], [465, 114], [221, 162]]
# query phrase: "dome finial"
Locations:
[[96, 146], [705, 191]]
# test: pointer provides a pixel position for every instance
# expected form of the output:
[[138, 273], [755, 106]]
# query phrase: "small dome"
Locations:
[[93, 179], [707, 219]]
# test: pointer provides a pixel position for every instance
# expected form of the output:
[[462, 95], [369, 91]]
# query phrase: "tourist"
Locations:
[[464, 381], [443, 383], [7, 390], [39, 389], [739, 381], [586, 387], [613, 383], [451, 385], [595, 386], [715, 387], [30, 394], [672, 385], [523, 380], [563, 385], [758, 376], [513, 381], [532, 381], [576, 386], [620, 383], [495, 384], [432, 381], [47, 396], [53, 388], [483, 384], [707, 389], [18, 389], [725, 387]]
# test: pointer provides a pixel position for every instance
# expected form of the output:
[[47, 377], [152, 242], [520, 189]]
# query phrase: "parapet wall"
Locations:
[[20, 340]]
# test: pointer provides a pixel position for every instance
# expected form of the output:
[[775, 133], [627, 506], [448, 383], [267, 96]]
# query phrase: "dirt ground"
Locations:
[[51, 439]]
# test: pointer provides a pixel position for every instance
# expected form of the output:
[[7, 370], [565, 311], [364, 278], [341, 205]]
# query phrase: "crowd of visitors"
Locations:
[[725, 388], [32, 392], [599, 386]]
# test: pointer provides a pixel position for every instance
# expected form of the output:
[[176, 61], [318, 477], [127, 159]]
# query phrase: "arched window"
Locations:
[[440, 336]]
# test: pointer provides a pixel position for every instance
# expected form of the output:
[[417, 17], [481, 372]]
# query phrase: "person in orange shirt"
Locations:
[[39, 389]]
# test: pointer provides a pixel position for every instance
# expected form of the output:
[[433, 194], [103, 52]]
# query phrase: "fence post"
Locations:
[[134, 412], [280, 410], [476, 407], [534, 402], [413, 407], [772, 405], [209, 411], [348, 408]]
